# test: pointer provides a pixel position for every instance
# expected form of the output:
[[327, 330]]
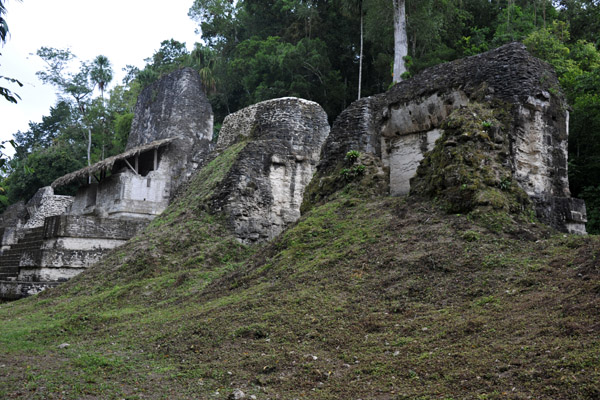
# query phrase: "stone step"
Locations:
[[31, 240], [34, 235], [24, 247], [28, 239], [31, 236], [20, 246], [7, 252], [9, 270], [8, 277], [9, 260], [38, 230], [13, 289], [10, 257]]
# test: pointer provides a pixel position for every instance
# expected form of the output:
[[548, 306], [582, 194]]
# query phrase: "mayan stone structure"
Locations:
[[401, 125], [53, 238], [283, 148], [264, 190]]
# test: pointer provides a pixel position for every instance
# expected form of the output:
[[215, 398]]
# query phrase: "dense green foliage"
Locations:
[[256, 50], [577, 63], [59, 143], [5, 92]]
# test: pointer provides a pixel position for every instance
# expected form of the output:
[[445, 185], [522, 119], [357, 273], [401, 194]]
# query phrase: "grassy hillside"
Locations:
[[365, 297]]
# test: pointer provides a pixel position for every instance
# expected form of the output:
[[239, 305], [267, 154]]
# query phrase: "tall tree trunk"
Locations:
[[89, 152], [508, 18], [400, 39], [544, 12], [103, 119], [360, 60]]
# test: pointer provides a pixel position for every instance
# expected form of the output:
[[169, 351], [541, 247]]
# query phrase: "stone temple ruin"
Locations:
[[286, 141], [263, 193], [53, 238], [401, 125]]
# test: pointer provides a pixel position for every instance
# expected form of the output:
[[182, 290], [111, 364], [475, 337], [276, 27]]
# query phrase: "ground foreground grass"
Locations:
[[378, 298]]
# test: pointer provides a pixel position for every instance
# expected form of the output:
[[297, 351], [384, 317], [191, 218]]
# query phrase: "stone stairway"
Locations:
[[32, 240]]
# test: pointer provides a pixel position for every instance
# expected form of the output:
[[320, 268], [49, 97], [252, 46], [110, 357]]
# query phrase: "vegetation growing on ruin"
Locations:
[[186, 234], [468, 167], [364, 297], [361, 173], [452, 293]]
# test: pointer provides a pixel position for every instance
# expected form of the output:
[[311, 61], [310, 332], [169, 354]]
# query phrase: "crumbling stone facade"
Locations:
[[53, 238], [263, 193], [11, 223], [45, 204], [170, 136], [175, 107], [139, 186], [401, 125]]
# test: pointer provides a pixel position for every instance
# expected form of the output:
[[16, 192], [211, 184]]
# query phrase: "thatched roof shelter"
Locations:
[[108, 163]]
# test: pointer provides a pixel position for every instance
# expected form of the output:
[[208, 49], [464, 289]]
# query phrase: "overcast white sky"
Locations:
[[126, 31]]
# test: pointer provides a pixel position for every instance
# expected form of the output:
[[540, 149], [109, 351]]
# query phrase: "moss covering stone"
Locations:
[[469, 167], [362, 173]]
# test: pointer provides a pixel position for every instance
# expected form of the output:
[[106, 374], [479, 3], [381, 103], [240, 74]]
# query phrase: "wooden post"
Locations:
[[137, 164], [155, 159], [129, 165]]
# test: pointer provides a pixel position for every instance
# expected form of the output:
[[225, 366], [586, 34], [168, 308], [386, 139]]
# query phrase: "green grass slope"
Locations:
[[365, 297]]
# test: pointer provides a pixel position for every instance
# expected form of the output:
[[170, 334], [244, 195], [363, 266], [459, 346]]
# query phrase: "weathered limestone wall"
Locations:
[[73, 243], [14, 215], [139, 196], [410, 131], [45, 204], [18, 290], [263, 192], [126, 195], [175, 106], [11, 223], [84, 201], [65, 247], [92, 227], [401, 125], [402, 156]]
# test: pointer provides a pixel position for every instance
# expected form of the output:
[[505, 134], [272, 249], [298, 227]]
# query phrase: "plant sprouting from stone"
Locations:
[[505, 183], [352, 156], [355, 171]]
